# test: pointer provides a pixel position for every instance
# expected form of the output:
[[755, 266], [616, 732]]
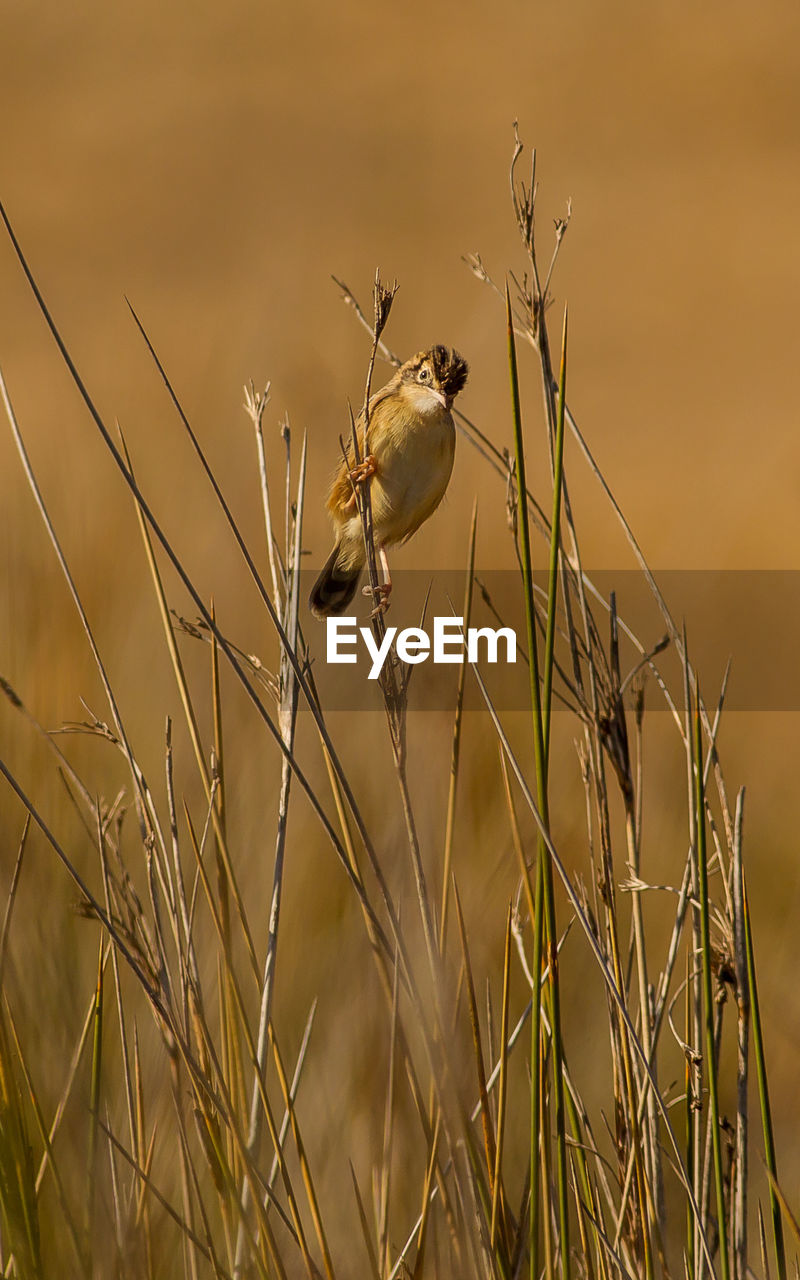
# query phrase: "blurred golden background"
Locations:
[[216, 165]]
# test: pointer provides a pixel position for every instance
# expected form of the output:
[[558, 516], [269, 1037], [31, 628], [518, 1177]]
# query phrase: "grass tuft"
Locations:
[[483, 1087]]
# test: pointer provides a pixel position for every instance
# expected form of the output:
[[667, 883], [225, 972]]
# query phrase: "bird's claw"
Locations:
[[382, 593], [364, 471], [358, 476]]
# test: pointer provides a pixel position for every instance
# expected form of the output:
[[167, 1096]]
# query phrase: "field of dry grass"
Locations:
[[216, 169]]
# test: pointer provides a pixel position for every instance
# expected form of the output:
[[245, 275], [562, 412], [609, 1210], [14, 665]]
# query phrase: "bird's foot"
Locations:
[[380, 595], [364, 471], [359, 475]]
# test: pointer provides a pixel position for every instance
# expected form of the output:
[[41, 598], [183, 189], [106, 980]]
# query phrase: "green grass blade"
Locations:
[[497, 1181], [555, 526], [708, 995], [763, 1095], [538, 745], [544, 907]]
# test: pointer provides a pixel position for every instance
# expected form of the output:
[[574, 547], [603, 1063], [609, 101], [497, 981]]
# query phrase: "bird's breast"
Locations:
[[414, 458]]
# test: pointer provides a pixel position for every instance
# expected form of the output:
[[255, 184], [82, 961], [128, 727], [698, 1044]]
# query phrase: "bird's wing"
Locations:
[[341, 487]]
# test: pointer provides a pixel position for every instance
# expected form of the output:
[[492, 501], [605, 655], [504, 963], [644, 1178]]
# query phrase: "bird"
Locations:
[[408, 462]]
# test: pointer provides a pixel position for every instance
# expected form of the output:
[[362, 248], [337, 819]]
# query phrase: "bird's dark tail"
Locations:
[[335, 586]]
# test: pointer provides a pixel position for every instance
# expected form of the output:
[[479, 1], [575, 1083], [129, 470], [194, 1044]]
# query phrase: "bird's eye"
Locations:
[[424, 375]]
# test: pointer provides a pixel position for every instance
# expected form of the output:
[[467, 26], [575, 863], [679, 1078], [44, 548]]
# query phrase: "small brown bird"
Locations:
[[411, 443]]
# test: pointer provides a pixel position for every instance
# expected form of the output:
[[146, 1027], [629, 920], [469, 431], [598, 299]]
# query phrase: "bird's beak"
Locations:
[[443, 399]]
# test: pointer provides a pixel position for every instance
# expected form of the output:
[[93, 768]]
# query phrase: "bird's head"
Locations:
[[435, 376]]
